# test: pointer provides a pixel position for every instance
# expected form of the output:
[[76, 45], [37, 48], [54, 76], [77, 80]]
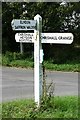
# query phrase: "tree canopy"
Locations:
[[55, 17]]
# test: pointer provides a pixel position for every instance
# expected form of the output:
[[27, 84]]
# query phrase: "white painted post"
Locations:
[[38, 75], [37, 39]]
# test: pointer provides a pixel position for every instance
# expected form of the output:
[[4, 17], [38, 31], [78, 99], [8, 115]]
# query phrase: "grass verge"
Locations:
[[59, 107], [48, 65], [0, 59], [19, 60], [62, 67]]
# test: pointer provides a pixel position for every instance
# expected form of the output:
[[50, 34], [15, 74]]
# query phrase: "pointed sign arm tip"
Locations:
[[37, 16]]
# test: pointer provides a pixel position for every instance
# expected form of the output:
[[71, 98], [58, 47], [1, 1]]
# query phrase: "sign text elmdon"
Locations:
[[23, 24]]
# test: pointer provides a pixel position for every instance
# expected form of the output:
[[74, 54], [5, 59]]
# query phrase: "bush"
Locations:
[[13, 59]]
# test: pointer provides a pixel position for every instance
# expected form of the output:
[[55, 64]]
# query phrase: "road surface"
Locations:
[[18, 83]]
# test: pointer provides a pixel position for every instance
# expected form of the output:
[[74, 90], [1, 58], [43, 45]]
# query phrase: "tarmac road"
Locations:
[[18, 83]]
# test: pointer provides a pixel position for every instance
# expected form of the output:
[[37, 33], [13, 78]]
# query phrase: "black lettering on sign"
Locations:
[[60, 37], [25, 37], [68, 38], [30, 27], [29, 35], [48, 37], [52, 38], [20, 34], [20, 27], [25, 40], [24, 22], [44, 37], [65, 38], [21, 37]]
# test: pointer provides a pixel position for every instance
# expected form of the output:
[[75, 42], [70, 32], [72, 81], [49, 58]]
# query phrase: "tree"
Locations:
[[56, 18]]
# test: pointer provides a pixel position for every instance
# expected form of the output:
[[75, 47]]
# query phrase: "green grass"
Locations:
[[57, 107], [27, 63], [22, 63], [0, 59], [0, 111], [19, 60], [62, 67]]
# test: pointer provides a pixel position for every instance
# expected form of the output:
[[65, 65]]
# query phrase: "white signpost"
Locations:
[[38, 73], [58, 38], [38, 38]]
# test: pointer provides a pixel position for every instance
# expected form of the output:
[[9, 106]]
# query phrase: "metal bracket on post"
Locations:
[[38, 73]]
